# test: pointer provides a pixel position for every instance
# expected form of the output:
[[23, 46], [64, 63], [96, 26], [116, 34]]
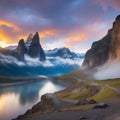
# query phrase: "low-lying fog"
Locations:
[[109, 70], [53, 66]]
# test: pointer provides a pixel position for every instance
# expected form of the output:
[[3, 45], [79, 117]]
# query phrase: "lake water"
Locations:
[[15, 100]]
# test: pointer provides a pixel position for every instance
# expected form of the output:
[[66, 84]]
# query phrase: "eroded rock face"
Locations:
[[35, 49], [29, 40], [46, 104], [21, 50], [115, 39], [104, 49]]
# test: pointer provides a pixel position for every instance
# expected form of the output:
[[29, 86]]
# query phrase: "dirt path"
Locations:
[[113, 88], [109, 113]]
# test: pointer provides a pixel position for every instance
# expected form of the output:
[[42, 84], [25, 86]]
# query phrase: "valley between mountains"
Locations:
[[85, 96]]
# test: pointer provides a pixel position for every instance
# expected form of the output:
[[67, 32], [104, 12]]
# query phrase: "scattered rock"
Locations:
[[83, 117], [92, 101], [85, 101], [82, 102], [100, 105]]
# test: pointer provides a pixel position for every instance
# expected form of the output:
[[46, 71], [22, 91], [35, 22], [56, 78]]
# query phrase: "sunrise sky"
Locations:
[[71, 23]]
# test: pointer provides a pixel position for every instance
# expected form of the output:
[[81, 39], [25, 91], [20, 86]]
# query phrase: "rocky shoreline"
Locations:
[[81, 99], [50, 108]]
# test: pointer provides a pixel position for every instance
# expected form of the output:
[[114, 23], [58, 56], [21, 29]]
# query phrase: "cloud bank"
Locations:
[[109, 70], [53, 66]]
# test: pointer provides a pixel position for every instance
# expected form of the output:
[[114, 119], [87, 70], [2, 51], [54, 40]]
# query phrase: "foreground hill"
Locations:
[[83, 97]]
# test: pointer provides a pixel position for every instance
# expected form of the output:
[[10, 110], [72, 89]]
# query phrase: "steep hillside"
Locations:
[[108, 48]]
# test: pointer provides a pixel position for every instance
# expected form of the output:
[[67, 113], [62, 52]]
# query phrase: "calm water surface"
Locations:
[[15, 100]]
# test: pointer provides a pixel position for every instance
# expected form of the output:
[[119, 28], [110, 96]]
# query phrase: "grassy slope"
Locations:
[[85, 87], [15, 80]]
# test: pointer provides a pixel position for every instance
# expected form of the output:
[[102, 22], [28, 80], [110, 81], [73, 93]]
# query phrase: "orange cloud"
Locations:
[[48, 32], [9, 24], [75, 38], [8, 33], [4, 37]]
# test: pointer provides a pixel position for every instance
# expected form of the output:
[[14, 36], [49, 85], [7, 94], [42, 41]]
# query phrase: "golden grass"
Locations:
[[78, 108], [105, 94], [84, 90], [112, 82]]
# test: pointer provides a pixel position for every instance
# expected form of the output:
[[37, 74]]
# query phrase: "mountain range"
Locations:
[[33, 48], [28, 58]]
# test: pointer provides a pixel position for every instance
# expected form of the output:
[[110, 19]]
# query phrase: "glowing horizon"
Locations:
[[72, 24]]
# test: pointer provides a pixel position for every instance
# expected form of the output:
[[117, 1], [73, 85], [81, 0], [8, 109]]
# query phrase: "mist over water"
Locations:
[[53, 66]]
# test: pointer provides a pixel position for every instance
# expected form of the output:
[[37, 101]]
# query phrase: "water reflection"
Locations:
[[15, 100]]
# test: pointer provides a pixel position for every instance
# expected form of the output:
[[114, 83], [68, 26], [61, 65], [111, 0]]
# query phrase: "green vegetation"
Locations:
[[15, 80], [77, 75], [78, 91], [105, 94], [112, 82], [78, 108], [99, 92]]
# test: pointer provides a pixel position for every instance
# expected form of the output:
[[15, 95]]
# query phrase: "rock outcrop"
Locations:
[[21, 50], [45, 105], [29, 40], [31, 47], [35, 49], [104, 49], [115, 39]]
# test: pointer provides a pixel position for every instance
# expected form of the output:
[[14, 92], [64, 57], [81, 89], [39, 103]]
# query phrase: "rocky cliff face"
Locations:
[[35, 49], [115, 39], [104, 49], [21, 50], [45, 105], [29, 40]]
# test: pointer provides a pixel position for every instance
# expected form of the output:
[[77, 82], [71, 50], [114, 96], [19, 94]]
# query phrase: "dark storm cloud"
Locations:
[[59, 20], [62, 14]]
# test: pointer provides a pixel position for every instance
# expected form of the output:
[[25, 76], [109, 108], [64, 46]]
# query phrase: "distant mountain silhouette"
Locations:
[[63, 53]]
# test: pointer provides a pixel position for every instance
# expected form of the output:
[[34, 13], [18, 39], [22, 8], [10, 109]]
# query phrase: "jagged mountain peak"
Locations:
[[35, 48], [118, 17], [36, 38], [30, 37], [63, 52], [21, 50]]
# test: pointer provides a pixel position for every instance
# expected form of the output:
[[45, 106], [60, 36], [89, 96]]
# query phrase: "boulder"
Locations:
[[83, 117], [100, 105], [82, 102], [92, 101]]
